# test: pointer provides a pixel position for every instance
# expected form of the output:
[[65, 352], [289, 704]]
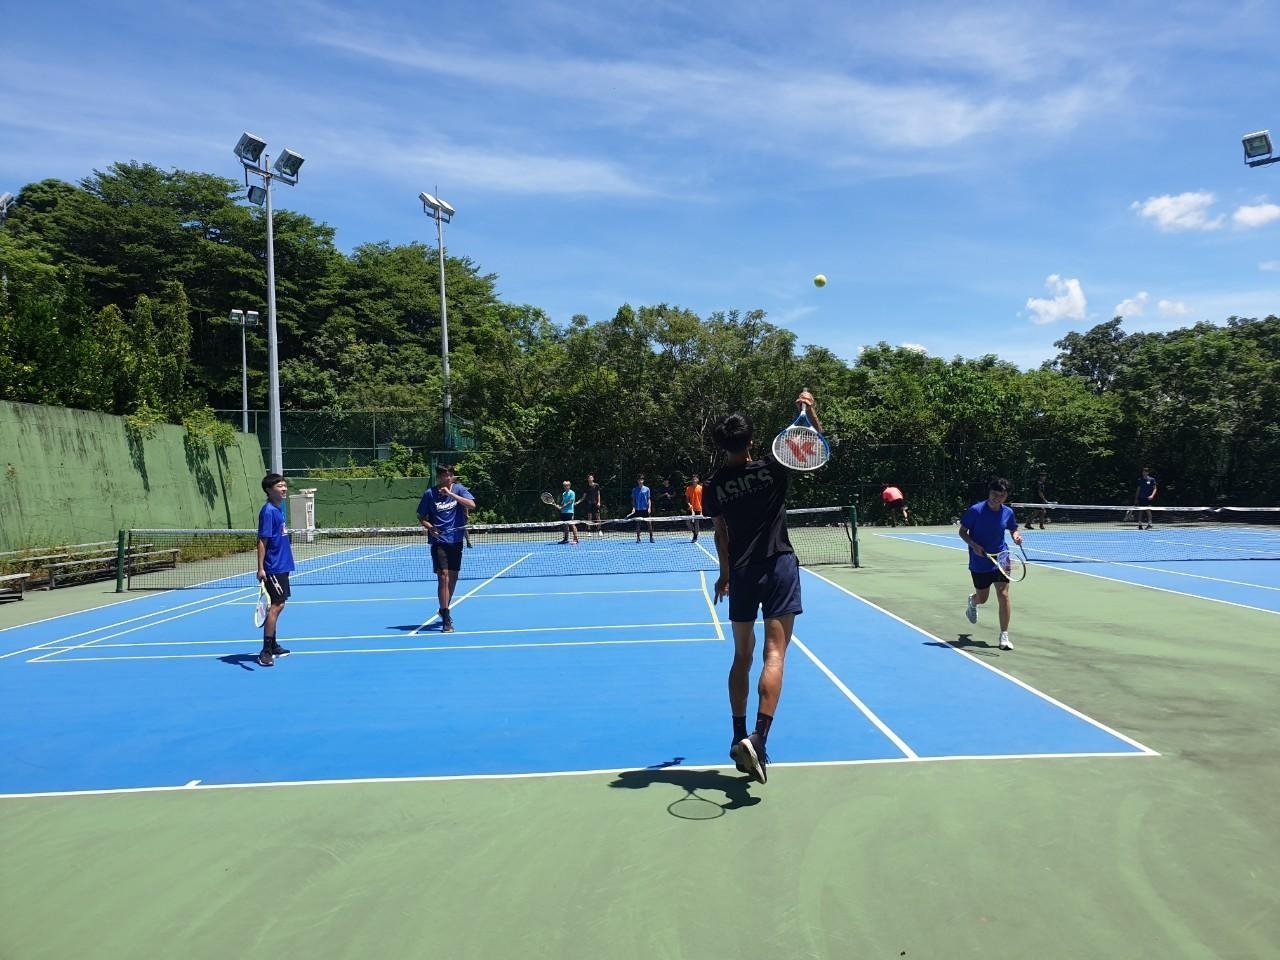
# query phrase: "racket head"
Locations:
[[547, 498], [1011, 565], [800, 447], [260, 608]]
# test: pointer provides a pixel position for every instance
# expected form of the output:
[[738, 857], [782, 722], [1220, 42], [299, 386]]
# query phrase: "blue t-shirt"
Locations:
[[987, 526], [640, 496], [567, 499], [445, 513], [273, 531], [1146, 487]]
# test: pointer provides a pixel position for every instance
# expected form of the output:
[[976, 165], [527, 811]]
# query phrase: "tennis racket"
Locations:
[[800, 446], [548, 499], [1012, 566], [260, 608]]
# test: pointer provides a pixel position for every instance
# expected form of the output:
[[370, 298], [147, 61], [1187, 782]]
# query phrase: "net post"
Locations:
[[853, 534], [120, 553]]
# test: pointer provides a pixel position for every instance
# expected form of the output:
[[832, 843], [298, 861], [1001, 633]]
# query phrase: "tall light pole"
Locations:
[[245, 318], [250, 150], [7, 203], [442, 213]]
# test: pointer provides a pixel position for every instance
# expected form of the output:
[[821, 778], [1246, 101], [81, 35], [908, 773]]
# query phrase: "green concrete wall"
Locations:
[[70, 476], [369, 502]]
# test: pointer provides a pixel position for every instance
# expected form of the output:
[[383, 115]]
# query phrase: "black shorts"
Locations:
[[446, 556], [566, 518], [982, 580], [771, 586], [278, 588], [641, 514], [1144, 501], [897, 504]]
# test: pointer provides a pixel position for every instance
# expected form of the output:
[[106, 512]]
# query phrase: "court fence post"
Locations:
[[853, 534], [120, 552]]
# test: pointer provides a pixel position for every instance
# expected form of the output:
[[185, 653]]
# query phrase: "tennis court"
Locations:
[[552, 778]]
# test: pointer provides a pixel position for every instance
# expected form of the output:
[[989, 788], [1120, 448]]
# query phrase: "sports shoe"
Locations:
[[971, 611], [751, 755], [446, 625], [1005, 642], [265, 659], [277, 650], [735, 756]]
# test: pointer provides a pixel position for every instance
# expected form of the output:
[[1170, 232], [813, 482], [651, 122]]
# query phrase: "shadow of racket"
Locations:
[[693, 805]]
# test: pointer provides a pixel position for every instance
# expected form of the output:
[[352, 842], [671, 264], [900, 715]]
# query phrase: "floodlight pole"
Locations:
[[441, 212]]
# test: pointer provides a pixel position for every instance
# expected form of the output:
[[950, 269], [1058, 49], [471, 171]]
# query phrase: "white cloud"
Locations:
[[1186, 211], [1134, 306], [915, 347], [1172, 308], [1270, 266], [1257, 215], [1068, 301]]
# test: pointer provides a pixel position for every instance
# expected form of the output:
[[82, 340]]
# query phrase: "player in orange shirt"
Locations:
[[693, 497], [896, 504]]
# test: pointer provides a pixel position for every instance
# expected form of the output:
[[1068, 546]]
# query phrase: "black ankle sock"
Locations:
[[763, 723], [739, 728], [268, 642]]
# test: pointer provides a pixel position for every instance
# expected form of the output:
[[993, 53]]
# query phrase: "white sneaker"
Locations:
[[971, 611], [1005, 642]]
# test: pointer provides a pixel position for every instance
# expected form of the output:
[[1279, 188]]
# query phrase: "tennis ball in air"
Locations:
[[819, 281]]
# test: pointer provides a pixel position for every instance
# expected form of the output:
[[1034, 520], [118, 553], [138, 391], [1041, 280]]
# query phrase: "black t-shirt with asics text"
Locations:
[[751, 497]]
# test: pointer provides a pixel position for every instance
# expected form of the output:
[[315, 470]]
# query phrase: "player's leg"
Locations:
[[279, 590], [1003, 598]]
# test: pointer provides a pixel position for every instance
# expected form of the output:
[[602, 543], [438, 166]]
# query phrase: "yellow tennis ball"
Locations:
[[819, 281]]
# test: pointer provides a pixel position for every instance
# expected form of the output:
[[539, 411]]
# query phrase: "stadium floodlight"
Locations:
[[442, 213], [244, 319], [253, 157], [288, 164], [7, 203], [249, 149], [1257, 148]]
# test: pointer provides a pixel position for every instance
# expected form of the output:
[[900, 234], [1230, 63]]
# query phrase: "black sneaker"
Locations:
[[751, 754], [278, 651], [736, 757], [265, 659], [446, 625]]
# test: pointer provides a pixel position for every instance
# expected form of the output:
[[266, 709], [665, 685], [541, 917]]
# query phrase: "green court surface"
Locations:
[[1173, 856]]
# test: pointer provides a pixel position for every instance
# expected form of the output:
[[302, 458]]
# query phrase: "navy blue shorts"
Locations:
[[446, 556], [771, 586], [984, 579], [278, 588]]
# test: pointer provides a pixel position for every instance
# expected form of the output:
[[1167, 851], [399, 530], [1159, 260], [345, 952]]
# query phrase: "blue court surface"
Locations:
[[545, 675], [1251, 584]]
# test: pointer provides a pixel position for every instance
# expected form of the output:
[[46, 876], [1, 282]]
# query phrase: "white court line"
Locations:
[[120, 633], [363, 650], [1061, 568], [986, 666], [862, 707], [477, 587], [506, 631], [110, 626], [711, 604], [609, 772]]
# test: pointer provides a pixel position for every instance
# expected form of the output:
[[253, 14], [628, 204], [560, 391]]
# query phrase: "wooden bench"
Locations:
[[13, 585], [104, 567]]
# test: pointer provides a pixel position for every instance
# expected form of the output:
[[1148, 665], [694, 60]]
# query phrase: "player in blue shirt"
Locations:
[[982, 527], [568, 500], [641, 504], [442, 511], [1146, 492], [275, 562]]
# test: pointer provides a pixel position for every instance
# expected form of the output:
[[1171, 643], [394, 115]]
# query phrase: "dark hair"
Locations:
[[733, 433], [998, 483], [444, 468], [270, 480]]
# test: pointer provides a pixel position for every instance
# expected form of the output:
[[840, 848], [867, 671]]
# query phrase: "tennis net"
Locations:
[[1079, 533], [228, 558]]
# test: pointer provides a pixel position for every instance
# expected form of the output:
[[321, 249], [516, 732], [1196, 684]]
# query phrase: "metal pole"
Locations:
[[273, 357], [244, 379], [444, 338]]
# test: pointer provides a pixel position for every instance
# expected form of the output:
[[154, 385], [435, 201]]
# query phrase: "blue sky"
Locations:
[[971, 178]]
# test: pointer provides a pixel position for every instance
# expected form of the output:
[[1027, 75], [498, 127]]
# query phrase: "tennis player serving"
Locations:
[[746, 500], [442, 512], [982, 527]]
